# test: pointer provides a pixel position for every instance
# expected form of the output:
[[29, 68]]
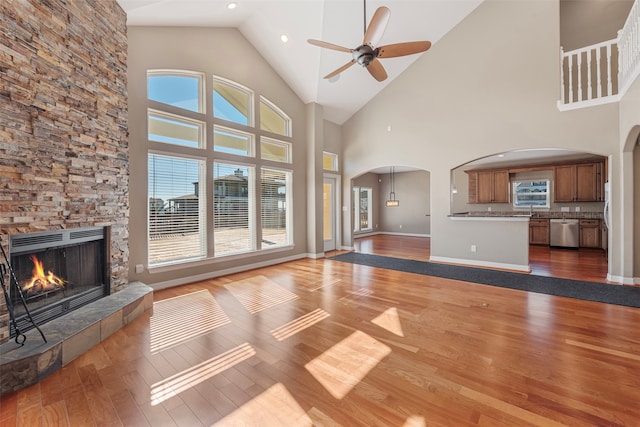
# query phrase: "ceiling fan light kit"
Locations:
[[367, 53]]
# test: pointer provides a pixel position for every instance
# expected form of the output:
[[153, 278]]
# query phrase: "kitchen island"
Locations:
[[493, 241]]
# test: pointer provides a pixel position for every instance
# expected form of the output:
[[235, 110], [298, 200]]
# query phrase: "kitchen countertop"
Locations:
[[525, 214]]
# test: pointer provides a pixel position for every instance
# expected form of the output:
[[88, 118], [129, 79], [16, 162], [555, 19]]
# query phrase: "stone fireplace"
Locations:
[[64, 149], [57, 272]]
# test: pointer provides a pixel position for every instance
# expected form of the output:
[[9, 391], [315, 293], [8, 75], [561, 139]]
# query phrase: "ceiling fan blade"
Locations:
[[402, 49], [378, 24], [377, 70], [320, 43], [339, 70]]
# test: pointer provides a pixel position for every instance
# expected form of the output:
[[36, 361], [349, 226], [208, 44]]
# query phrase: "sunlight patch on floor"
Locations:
[[355, 295], [415, 421], [193, 376], [340, 368], [390, 320], [323, 284], [273, 407], [259, 293], [301, 323], [179, 319]]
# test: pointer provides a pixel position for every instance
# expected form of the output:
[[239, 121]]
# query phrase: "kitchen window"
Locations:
[[531, 194]]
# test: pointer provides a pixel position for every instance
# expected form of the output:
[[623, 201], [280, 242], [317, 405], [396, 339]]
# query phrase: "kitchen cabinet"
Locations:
[[579, 182], [590, 231], [538, 231], [489, 186]]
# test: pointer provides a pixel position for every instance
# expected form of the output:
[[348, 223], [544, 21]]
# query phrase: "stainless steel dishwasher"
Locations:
[[564, 233]]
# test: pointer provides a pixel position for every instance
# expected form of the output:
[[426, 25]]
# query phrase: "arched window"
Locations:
[[244, 189], [273, 119]]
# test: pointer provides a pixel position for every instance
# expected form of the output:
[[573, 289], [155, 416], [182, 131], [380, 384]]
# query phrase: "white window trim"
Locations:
[[250, 107], [274, 107], [183, 73]]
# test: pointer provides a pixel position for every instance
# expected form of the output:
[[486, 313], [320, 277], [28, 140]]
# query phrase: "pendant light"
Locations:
[[392, 202]]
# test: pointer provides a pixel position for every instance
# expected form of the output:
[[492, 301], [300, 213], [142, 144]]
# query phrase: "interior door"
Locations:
[[329, 213]]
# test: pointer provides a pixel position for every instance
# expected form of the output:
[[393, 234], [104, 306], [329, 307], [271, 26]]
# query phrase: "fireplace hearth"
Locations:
[[58, 272]]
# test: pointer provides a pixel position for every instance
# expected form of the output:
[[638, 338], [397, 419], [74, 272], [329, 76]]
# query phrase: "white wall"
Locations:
[[489, 86]]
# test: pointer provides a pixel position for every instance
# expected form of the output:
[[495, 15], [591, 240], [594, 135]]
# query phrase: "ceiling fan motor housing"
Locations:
[[364, 54]]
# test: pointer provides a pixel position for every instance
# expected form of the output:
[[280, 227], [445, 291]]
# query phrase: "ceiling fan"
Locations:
[[368, 52]]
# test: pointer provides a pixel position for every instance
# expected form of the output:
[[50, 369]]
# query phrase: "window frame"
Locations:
[[357, 208], [334, 161], [202, 105], [207, 152], [240, 88], [288, 206], [531, 183], [177, 118], [278, 111], [276, 142], [202, 225], [251, 150]]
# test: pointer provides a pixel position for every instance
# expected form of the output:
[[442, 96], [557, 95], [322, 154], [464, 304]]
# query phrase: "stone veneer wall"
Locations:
[[63, 122]]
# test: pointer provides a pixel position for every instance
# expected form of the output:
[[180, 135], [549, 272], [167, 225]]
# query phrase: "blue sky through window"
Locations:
[[172, 177], [223, 109], [179, 91]]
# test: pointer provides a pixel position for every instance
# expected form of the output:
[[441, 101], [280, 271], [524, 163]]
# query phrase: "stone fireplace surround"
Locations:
[[64, 148]]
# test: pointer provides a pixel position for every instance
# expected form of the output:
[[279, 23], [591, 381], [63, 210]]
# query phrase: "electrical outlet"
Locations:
[[139, 268], [401, 226], [577, 208], [564, 209], [489, 209], [473, 248]]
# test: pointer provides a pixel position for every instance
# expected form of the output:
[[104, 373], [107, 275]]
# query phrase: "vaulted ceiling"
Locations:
[[301, 65]]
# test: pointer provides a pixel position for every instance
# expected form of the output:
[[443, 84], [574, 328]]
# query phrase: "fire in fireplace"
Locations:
[[58, 272]]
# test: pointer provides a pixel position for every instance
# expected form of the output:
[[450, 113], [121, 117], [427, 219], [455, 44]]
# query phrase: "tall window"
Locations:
[[176, 211], [275, 186], [233, 216], [362, 208], [249, 200]]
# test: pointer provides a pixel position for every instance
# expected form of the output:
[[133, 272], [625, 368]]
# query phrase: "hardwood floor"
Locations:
[[583, 264], [320, 342]]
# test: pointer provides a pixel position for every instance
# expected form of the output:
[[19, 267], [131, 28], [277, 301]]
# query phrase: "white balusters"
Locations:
[[629, 48], [582, 66], [627, 68]]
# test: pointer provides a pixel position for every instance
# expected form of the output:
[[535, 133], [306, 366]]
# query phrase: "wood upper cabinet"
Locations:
[[579, 182], [490, 186]]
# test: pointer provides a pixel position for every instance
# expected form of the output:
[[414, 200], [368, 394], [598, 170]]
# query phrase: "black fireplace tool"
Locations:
[[20, 337]]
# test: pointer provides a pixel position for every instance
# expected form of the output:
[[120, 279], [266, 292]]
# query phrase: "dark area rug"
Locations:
[[590, 291]]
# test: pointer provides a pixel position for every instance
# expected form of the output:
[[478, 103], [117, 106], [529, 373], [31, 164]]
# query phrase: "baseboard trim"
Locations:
[[390, 233], [219, 273], [623, 280], [477, 263]]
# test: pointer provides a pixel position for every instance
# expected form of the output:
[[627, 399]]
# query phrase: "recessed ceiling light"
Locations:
[[232, 5], [500, 155], [284, 38]]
